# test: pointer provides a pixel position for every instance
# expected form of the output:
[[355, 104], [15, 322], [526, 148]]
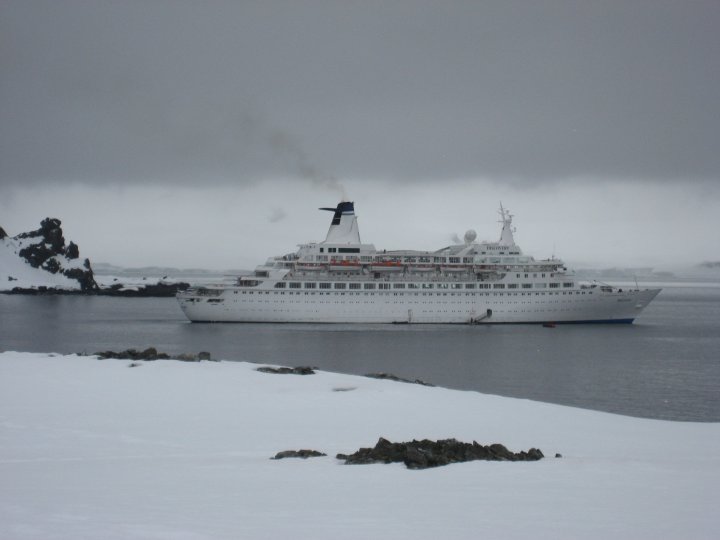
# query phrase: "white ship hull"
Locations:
[[236, 305]]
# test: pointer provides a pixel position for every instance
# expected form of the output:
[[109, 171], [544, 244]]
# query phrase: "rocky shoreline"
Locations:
[[150, 354], [157, 290]]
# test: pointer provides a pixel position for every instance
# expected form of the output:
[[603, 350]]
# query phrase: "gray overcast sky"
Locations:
[[282, 105]]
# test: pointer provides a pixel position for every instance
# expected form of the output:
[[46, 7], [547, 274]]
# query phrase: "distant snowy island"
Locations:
[[40, 262], [40, 258], [123, 449]]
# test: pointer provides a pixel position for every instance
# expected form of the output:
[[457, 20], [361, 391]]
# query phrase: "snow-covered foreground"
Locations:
[[172, 450]]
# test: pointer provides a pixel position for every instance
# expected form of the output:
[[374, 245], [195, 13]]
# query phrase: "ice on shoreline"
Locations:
[[92, 449]]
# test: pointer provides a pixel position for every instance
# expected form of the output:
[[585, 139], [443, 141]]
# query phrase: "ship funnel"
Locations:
[[343, 227]]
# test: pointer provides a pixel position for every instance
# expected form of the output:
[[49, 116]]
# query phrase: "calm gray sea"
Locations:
[[666, 365]]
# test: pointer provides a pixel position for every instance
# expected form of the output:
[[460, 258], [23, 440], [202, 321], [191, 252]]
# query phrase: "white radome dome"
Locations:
[[470, 236]]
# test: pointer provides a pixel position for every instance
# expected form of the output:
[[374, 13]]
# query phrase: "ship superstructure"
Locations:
[[342, 280]]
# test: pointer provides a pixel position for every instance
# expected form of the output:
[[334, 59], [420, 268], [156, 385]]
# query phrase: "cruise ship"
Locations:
[[342, 280]]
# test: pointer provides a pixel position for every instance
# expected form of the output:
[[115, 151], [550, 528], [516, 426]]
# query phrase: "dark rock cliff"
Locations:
[[45, 248]]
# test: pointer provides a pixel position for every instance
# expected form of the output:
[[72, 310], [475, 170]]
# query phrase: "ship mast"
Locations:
[[506, 236]]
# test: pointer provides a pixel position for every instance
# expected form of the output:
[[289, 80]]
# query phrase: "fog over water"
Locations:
[[174, 133]]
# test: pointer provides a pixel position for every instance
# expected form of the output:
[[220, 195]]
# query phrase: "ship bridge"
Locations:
[[504, 246]]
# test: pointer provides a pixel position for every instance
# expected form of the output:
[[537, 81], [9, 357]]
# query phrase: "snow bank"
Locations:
[[17, 272], [135, 282], [94, 449]]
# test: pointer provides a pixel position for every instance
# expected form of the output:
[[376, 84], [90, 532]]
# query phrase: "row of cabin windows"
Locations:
[[340, 250], [416, 294], [369, 260], [421, 260], [372, 286]]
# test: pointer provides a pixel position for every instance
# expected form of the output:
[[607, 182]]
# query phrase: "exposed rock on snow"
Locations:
[[425, 454], [72, 251], [299, 370], [31, 258], [150, 354], [391, 377], [304, 454]]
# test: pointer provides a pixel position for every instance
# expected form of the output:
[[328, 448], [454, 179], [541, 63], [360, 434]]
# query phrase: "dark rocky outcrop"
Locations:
[[41, 291], [53, 242], [159, 290], [84, 277], [300, 370], [151, 353], [424, 454], [45, 249], [304, 454], [36, 254], [53, 234], [3, 234], [48, 252], [51, 265], [72, 251], [391, 377]]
